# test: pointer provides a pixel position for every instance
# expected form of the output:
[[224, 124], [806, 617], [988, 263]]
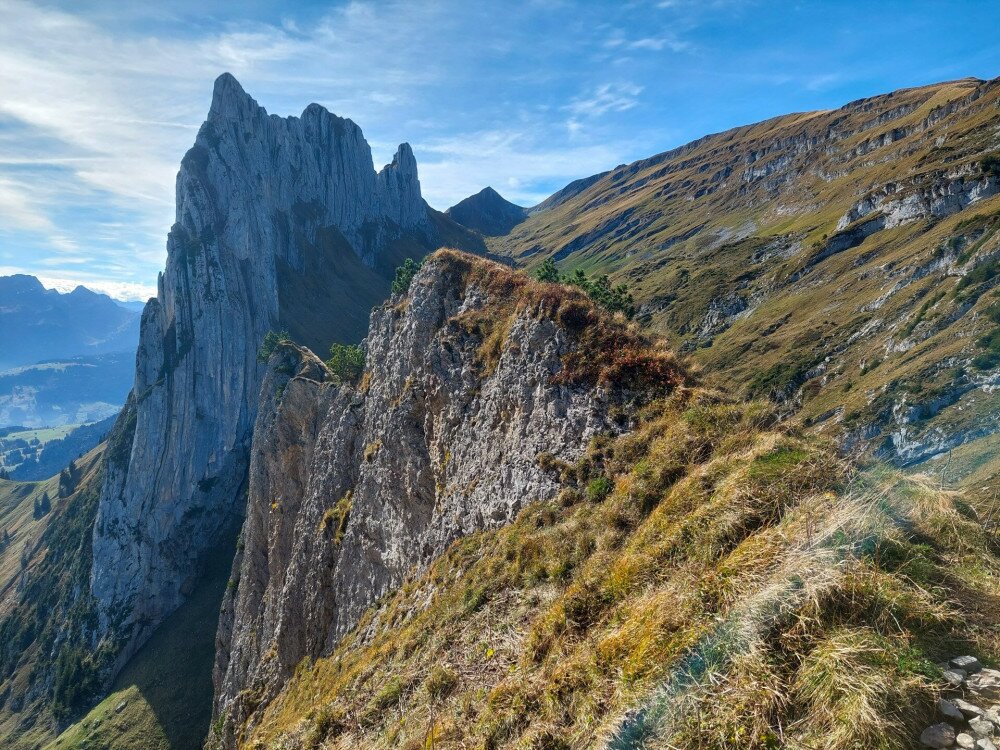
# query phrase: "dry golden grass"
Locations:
[[741, 585]]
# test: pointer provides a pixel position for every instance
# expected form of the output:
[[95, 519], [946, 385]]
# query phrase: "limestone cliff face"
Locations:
[[269, 210], [352, 488]]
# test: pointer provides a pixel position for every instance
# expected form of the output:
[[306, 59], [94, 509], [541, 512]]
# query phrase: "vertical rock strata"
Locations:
[[352, 488], [280, 223]]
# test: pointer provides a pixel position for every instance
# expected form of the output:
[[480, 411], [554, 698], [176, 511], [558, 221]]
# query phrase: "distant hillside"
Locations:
[[488, 213], [38, 324], [33, 455], [66, 391], [843, 263]]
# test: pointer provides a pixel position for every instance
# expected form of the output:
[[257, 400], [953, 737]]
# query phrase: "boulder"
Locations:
[[949, 710], [981, 727], [969, 710], [954, 676], [969, 663], [938, 735]]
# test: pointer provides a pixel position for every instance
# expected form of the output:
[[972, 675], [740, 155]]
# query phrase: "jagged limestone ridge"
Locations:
[[266, 206]]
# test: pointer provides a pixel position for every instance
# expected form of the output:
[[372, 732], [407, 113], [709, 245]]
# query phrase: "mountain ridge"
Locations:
[[734, 233], [38, 324], [488, 213]]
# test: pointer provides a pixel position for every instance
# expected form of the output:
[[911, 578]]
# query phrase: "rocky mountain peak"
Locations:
[[403, 161], [230, 101], [443, 441], [20, 283], [488, 213], [281, 223]]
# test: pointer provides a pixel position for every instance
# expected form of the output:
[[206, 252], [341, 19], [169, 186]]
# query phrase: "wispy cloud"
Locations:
[[608, 97], [512, 161], [618, 40]]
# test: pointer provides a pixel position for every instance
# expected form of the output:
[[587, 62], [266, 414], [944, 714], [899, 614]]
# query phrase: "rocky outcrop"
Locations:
[[281, 222], [934, 198], [968, 719], [469, 399]]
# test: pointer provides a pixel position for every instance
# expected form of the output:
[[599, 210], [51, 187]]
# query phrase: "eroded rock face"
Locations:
[[352, 488], [273, 214]]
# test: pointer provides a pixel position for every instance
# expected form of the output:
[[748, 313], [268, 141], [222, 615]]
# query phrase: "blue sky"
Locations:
[[99, 99]]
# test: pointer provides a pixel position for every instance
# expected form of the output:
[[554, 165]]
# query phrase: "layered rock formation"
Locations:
[[281, 223], [840, 262], [468, 383]]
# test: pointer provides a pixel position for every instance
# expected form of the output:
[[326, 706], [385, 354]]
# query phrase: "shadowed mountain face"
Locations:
[[488, 213], [841, 262], [38, 323]]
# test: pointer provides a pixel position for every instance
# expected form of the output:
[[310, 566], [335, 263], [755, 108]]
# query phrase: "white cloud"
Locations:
[[510, 160], [119, 290], [95, 113], [18, 210], [619, 41], [608, 97]]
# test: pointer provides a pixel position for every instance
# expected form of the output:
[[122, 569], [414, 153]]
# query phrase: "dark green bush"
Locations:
[[612, 298], [990, 344], [548, 272], [270, 343], [404, 275], [347, 362], [990, 164]]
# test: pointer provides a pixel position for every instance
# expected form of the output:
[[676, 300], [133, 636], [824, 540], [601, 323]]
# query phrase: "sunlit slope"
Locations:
[[843, 262], [711, 580], [46, 556]]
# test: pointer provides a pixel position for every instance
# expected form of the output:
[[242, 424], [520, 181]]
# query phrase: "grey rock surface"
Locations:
[[969, 710], [949, 710], [981, 727], [351, 489], [273, 215], [970, 664], [938, 735]]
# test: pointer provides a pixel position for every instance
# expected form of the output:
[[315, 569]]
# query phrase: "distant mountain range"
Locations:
[[38, 324]]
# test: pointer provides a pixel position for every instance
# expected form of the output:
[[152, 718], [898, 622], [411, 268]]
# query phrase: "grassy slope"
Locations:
[[712, 579], [693, 226], [166, 688], [17, 503], [27, 726], [740, 584]]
